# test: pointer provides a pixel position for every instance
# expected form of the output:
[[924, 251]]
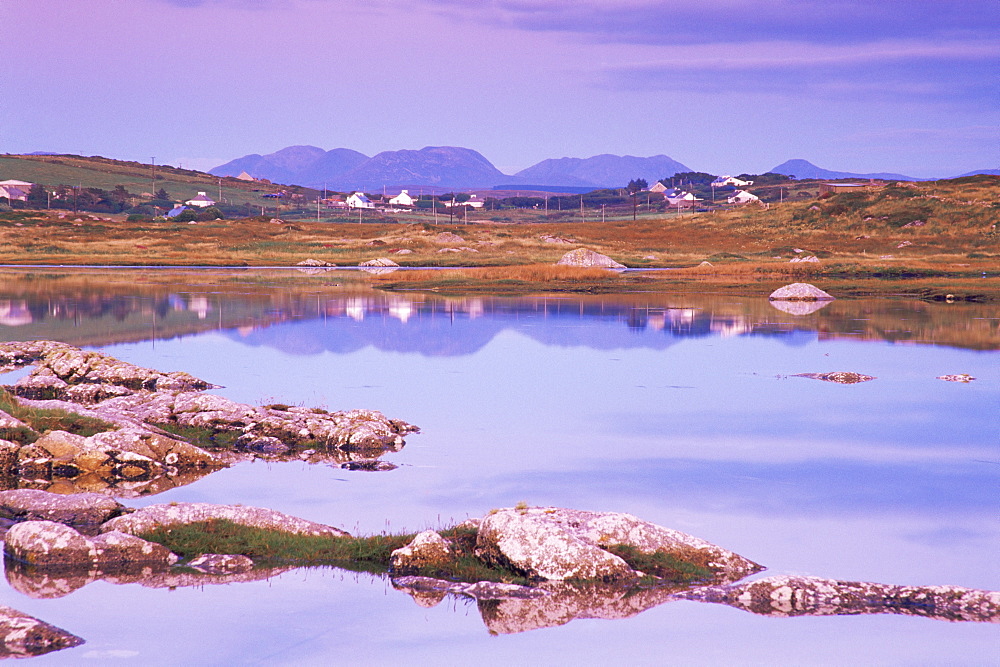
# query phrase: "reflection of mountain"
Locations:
[[100, 307]]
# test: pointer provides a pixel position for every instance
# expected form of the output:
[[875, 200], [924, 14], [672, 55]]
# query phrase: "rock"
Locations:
[[812, 596], [558, 544], [806, 258], [222, 563], [428, 592], [24, 636], [799, 308], [152, 517], [447, 238], [799, 292], [46, 544], [840, 377], [549, 238], [84, 509], [705, 265], [586, 258], [427, 550], [314, 262], [961, 377], [379, 262], [402, 251], [368, 465]]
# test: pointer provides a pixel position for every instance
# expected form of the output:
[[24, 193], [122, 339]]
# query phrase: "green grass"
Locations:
[[204, 437], [40, 420], [689, 568]]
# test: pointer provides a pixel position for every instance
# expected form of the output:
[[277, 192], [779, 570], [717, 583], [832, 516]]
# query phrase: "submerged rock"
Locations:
[[588, 258], [812, 596], [150, 518], [840, 377], [559, 544], [24, 636], [799, 292]]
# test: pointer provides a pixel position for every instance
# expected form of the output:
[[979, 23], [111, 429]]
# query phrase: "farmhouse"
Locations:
[[680, 198], [402, 199], [742, 197], [359, 200], [12, 190], [658, 187], [722, 181], [200, 200]]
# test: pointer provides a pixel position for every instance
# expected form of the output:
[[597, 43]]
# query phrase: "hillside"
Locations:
[[138, 178], [295, 164]]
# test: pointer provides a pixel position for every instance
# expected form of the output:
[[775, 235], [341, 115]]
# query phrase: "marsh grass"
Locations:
[[40, 420]]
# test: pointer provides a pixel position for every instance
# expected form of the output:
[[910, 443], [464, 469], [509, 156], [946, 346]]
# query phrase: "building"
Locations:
[[402, 199], [834, 188], [722, 181], [359, 200], [244, 176], [680, 198], [12, 190], [201, 200], [742, 197], [658, 187]]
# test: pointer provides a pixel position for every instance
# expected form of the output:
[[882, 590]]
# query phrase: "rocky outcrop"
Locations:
[[50, 545], [447, 238], [135, 455], [812, 596], [563, 544], [314, 263], [799, 292], [149, 518], [380, 262], [24, 636], [839, 377], [588, 258], [80, 510]]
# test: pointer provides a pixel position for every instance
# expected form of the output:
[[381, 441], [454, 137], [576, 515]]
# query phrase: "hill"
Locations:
[[804, 169], [442, 166], [601, 171]]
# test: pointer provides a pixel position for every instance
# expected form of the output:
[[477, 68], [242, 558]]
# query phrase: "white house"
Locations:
[[742, 197], [680, 198], [658, 187], [244, 176], [402, 199], [730, 180], [201, 200], [12, 189], [359, 200]]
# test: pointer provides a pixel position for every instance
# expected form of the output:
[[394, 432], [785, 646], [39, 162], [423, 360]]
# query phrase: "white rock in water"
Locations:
[[799, 292]]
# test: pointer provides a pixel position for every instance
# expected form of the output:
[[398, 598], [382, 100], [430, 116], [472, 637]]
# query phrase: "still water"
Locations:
[[686, 410]]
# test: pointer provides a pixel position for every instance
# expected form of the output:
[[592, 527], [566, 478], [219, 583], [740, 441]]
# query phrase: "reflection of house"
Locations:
[[359, 200], [12, 190], [201, 200], [742, 197], [730, 180], [402, 199]]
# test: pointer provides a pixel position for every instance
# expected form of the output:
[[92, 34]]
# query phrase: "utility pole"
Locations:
[[582, 217], [152, 163]]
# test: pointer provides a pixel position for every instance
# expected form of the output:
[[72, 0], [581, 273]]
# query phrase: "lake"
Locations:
[[692, 411]]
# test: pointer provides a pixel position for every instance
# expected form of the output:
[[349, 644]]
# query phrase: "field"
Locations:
[[935, 235]]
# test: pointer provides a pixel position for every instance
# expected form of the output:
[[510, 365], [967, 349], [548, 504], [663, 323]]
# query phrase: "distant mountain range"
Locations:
[[463, 168], [440, 166]]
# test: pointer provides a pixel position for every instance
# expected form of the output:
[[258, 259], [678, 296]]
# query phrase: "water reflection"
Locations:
[[91, 307]]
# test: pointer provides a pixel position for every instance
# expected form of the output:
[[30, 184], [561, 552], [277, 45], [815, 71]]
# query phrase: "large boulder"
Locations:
[[799, 292], [82, 509], [46, 544], [560, 544], [152, 517], [588, 258], [427, 550], [24, 636]]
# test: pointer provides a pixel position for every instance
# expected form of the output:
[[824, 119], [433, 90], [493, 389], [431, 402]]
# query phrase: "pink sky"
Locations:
[[722, 86]]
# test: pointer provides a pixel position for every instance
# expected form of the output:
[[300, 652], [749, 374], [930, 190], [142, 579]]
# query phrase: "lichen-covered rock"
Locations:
[[24, 636], [799, 292], [84, 509], [559, 544], [427, 550], [446, 238], [222, 563], [588, 258], [314, 263], [380, 262], [152, 517], [46, 544], [812, 596]]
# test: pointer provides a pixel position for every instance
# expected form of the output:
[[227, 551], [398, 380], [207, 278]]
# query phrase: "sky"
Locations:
[[724, 86]]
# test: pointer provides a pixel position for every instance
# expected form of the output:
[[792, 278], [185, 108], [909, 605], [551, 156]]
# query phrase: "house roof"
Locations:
[[17, 184]]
